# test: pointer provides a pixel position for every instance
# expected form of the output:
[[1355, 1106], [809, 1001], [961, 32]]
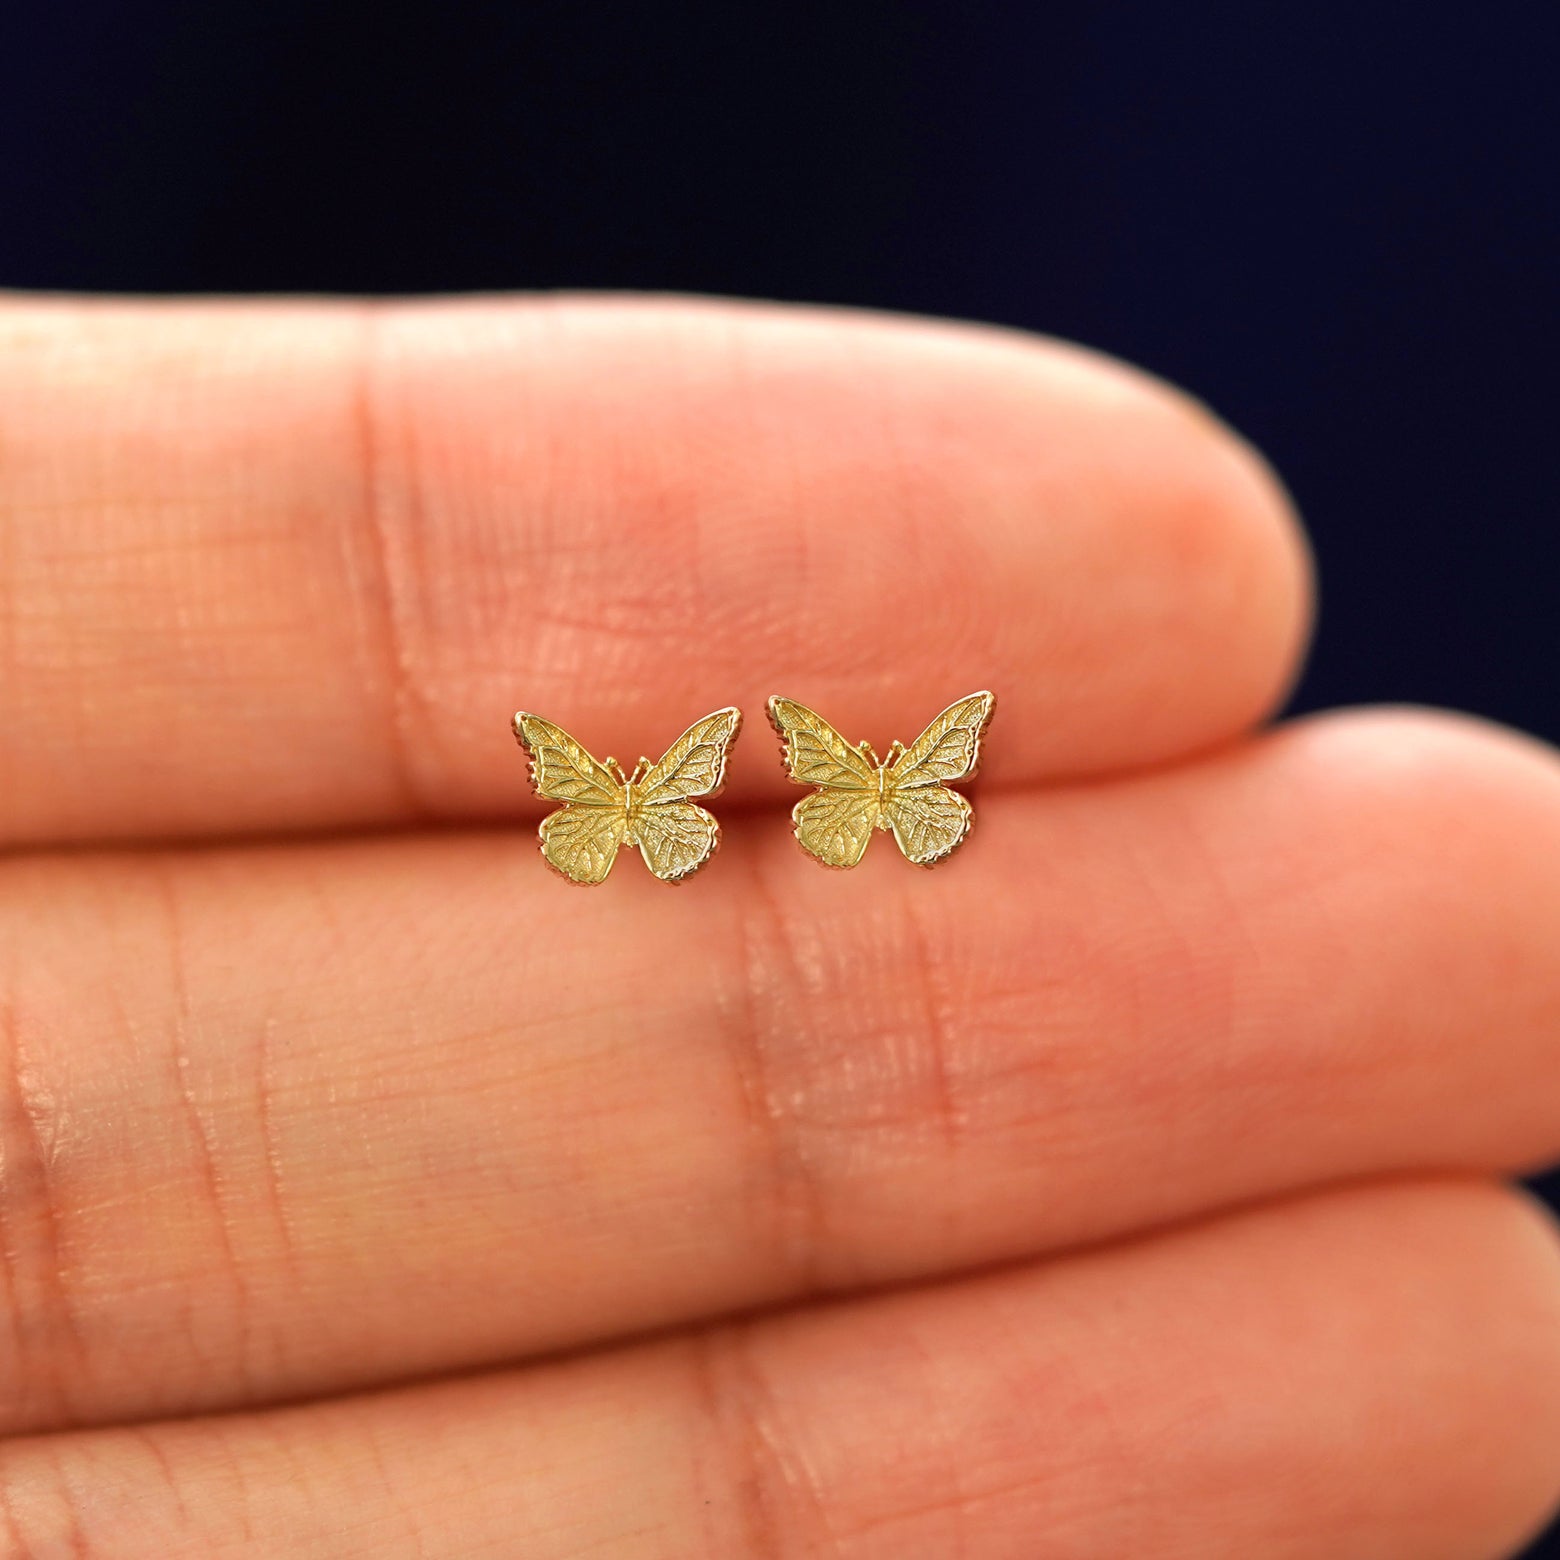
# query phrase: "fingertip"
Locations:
[[1502, 1390]]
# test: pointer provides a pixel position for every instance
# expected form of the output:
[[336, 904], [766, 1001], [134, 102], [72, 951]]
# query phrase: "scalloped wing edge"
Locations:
[[533, 762], [823, 730], [724, 743], [977, 739]]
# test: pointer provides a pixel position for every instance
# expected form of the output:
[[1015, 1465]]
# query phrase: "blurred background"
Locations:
[[1338, 224]]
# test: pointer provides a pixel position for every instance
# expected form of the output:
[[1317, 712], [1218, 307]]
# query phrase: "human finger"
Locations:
[[273, 567], [300, 1120], [1372, 1375]]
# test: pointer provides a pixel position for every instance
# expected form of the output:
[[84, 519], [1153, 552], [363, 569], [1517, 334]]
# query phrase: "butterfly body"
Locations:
[[605, 809], [905, 793], [882, 773]]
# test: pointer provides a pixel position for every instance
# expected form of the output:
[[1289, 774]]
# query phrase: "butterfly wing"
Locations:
[[582, 842], [949, 749], [674, 836], [561, 769], [836, 823], [929, 822], [695, 764], [815, 753], [676, 839], [835, 826]]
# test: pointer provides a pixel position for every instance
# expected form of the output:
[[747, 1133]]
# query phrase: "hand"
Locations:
[[1122, 1188]]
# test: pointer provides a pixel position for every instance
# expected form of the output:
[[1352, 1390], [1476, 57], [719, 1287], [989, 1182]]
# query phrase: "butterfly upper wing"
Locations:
[[929, 822], [561, 769], [582, 842], [835, 826], [949, 748], [815, 753], [676, 839], [695, 764]]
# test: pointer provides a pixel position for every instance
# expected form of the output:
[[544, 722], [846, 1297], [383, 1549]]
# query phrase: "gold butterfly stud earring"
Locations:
[[906, 792], [652, 808]]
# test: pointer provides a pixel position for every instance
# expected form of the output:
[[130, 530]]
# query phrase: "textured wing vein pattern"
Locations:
[[815, 753], [561, 769], [835, 826], [910, 796], [949, 748], [676, 838], [695, 764], [582, 842], [929, 822]]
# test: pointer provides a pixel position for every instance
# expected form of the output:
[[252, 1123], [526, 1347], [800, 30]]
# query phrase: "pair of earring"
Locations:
[[855, 792]]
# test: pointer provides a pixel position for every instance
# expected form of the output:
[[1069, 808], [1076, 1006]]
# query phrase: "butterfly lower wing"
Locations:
[[676, 839], [835, 826], [582, 842], [949, 748], [815, 753], [695, 764], [561, 769], [929, 822]]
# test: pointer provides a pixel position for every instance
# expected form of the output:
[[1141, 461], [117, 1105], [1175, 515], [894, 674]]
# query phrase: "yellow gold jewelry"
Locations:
[[604, 808], [907, 791]]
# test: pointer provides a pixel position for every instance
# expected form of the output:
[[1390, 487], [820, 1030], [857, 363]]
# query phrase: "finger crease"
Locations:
[[787, 1189], [769, 1485], [211, 1179], [378, 564], [26, 1166]]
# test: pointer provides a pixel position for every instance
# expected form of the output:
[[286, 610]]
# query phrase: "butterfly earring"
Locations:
[[906, 792], [652, 808]]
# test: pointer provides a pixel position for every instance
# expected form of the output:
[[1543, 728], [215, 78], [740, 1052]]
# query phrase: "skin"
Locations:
[[1128, 1185]]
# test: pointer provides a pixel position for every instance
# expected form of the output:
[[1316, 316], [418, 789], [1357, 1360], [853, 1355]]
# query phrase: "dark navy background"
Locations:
[[1339, 224]]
